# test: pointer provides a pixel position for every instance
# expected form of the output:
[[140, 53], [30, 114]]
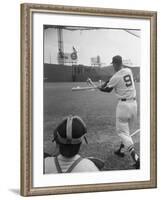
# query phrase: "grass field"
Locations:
[[97, 109]]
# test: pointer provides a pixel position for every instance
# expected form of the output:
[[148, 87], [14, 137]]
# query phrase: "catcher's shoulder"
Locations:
[[86, 165]]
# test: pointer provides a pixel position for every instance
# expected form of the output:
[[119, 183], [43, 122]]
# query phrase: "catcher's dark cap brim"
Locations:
[[72, 141]]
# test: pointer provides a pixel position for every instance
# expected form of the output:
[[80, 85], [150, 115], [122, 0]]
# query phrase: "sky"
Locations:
[[90, 43]]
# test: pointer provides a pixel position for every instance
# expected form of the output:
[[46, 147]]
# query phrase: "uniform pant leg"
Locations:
[[133, 118], [122, 124]]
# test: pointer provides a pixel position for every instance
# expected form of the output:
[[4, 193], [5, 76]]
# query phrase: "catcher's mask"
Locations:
[[71, 130]]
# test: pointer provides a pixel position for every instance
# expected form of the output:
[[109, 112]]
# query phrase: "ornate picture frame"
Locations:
[[27, 95]]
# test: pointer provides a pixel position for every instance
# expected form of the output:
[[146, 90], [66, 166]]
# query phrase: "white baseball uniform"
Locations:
[[85, 165], [126, 111]]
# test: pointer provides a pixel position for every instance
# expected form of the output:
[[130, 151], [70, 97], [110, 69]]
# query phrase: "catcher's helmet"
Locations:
[[70, 131]]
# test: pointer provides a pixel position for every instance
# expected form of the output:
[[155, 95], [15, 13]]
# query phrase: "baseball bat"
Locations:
[[83, 88], [135, 132]]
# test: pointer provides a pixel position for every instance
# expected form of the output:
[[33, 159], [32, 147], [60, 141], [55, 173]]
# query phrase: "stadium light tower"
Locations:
[[60, 45]]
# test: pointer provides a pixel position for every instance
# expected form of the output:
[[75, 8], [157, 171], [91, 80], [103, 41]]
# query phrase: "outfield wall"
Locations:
[[57, 73], [80, 73]]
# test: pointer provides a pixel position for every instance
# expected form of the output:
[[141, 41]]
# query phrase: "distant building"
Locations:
[[127, 62], [96, 61]]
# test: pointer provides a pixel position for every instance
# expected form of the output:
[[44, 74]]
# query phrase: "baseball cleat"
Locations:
[[137, 164], [119, 153]]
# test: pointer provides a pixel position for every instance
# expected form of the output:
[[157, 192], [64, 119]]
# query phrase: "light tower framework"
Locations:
[[61, 54], [60, 45]]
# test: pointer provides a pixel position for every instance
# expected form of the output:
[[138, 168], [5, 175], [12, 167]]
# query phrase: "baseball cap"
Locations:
[[117, 59], [71, 130]]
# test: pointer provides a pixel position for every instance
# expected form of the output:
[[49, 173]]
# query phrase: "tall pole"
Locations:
[[60, 46]]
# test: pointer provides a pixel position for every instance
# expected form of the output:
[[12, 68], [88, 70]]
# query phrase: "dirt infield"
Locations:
[[97, 109]]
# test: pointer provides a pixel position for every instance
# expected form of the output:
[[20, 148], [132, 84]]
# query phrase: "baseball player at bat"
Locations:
[[126, 112]]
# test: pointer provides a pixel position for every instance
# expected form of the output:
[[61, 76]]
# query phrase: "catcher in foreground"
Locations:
[[69, 135]]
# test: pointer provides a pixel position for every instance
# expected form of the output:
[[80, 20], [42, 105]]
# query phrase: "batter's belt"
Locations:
[[131, 99]]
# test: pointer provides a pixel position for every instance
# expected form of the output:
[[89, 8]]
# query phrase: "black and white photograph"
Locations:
[[88, 99], [91, 99]]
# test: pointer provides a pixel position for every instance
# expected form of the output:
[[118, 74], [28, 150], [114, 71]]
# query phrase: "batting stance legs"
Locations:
[[126, 113], [122, 82]]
